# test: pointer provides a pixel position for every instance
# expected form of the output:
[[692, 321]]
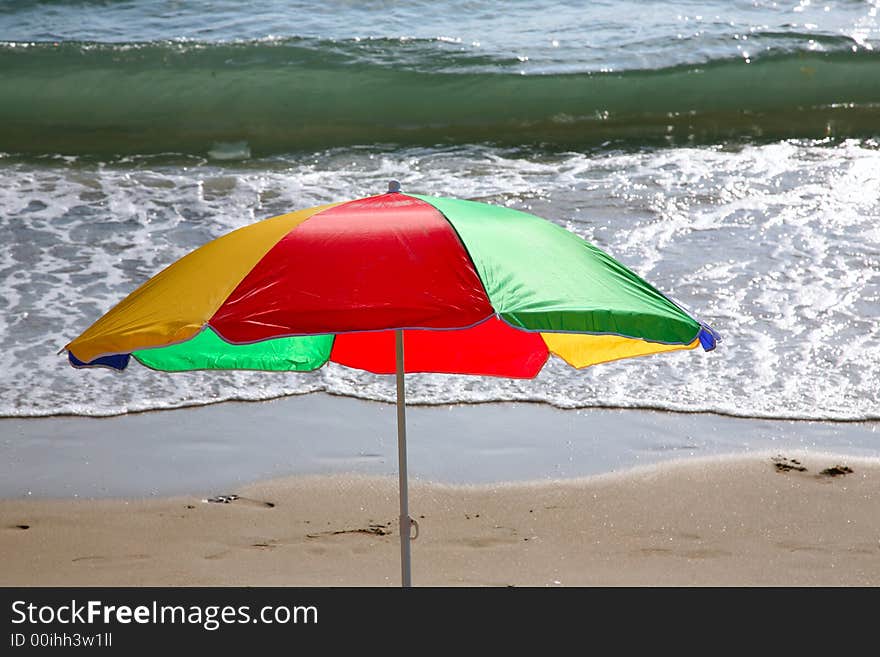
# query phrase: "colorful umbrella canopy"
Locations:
[[477, 289], [468, 287]]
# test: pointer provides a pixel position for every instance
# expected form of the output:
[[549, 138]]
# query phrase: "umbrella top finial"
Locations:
[[393, 186]]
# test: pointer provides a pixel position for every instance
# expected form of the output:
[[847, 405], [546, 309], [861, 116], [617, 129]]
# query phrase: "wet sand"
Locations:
[[756, 519], [196, 451]]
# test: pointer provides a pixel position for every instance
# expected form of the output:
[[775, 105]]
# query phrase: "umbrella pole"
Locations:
[[405, 522]]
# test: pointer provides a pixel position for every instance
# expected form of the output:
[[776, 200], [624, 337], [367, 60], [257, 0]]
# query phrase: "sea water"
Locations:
[[726, 151]]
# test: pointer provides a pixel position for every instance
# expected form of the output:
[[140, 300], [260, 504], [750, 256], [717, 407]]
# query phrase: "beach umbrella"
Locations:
[[391, 284]]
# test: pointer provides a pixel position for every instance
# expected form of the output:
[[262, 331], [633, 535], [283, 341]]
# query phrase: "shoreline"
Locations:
[[873, 419], [713, 521], [206, 449]]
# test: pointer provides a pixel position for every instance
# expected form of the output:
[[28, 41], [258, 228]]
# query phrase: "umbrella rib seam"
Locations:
[[464, 248]]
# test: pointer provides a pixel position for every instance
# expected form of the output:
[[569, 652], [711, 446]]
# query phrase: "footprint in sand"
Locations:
[[238, 499], [501, 536], [836, 471], [699, 553], [217, 555], [99, 558], [791, 546], [783, 464], [374, 529]]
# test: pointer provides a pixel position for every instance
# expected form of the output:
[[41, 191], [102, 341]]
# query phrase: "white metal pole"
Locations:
[[405, 522]]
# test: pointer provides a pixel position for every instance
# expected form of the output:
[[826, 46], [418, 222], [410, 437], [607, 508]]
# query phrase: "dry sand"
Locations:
[[720, 521]]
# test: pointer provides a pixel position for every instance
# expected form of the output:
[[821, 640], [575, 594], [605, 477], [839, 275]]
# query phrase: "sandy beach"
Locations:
[[741, 520]]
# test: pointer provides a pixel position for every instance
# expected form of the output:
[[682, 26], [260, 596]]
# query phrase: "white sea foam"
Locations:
[[774, 245]]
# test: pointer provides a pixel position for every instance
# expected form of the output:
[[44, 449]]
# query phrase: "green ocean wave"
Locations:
[[268, 97]]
